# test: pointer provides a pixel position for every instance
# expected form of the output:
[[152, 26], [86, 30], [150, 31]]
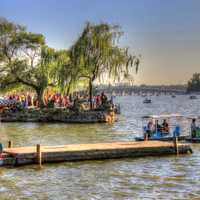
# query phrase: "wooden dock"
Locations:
[[76, 152]]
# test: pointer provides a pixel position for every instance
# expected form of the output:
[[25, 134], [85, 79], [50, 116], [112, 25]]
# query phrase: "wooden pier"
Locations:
[[75, 152]]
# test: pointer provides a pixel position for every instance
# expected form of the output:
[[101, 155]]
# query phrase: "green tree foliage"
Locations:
[[25, 58], [194, 83], [63, 71], [96, 53]]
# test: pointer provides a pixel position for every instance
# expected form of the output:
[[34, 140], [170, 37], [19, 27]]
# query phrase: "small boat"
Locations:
[[193, 97], [173, 132], [147, 101], [173, 96]]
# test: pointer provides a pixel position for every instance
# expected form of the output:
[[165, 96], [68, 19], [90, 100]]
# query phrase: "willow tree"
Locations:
[[63, 74], [24, 58], [96, 52]]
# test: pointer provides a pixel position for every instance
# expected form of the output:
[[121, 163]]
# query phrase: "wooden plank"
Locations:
[[85, 147]]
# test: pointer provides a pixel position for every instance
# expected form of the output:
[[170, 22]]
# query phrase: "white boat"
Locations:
[[159, 133]]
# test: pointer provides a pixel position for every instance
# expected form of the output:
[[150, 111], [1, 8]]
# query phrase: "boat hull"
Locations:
[[193, 140], [180, 138]]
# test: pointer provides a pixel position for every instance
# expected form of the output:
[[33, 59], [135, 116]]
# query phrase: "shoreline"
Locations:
[[55, 115]]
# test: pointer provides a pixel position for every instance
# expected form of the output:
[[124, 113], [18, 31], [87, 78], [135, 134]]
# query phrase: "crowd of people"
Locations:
[[57, 100]]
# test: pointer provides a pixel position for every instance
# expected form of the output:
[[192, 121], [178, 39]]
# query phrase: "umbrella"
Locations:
[[7, 103]]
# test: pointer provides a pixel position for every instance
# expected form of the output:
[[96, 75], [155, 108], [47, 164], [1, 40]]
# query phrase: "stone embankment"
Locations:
[[53, 115]]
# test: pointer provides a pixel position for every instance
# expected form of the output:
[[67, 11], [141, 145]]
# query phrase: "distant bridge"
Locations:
[[130, 90]]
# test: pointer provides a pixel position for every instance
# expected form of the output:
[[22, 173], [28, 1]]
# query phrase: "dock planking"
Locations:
[[77, 152]]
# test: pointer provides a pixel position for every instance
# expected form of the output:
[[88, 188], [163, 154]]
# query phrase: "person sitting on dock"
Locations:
[[165, 127], [194, 128]]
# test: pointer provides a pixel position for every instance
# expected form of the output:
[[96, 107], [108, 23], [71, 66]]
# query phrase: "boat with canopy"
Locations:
[[171, 127]]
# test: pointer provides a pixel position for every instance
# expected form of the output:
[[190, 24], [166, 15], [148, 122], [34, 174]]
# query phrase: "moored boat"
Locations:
[[192, 140], [147, 101], [193, 97], [158, 132], [164, 138]]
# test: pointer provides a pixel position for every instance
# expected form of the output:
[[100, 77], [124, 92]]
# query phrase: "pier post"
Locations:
[[176, 145], [39, 155], [10, 144]]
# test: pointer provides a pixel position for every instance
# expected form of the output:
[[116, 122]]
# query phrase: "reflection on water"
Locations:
[[145, 178]]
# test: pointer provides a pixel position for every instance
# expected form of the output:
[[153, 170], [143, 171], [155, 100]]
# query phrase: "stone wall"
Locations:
[[53, 115]]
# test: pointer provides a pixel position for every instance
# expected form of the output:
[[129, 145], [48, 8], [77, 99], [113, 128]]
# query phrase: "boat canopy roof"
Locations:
[[193, 117], [164, 116]]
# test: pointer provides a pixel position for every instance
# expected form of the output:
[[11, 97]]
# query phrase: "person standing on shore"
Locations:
[[103, 98]]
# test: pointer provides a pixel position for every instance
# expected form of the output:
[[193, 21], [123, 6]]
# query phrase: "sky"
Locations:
[[165, 32]]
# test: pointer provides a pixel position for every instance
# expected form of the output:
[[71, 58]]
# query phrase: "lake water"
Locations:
[[168, 177]]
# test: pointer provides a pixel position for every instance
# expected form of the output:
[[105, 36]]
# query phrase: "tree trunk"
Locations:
[[68, 88], [40, 93], [90, 94]]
